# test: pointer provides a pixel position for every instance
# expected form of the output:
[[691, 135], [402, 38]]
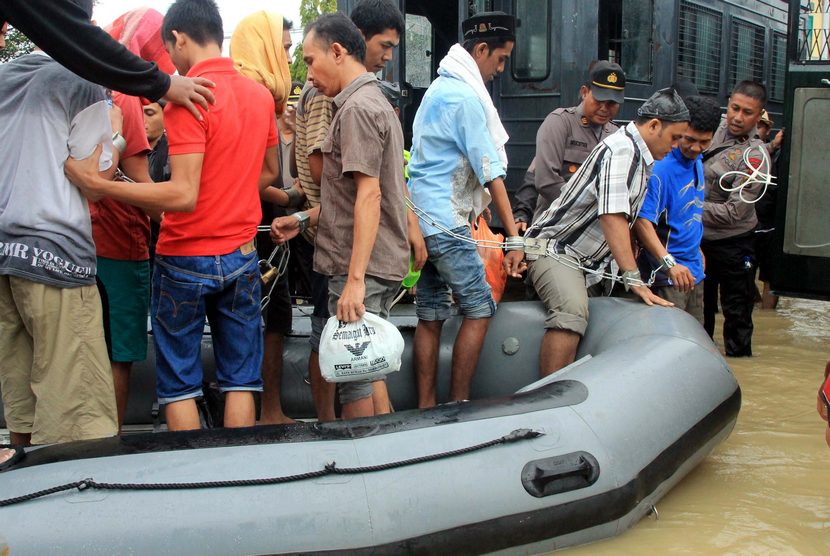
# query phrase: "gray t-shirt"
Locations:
[[47, 113]]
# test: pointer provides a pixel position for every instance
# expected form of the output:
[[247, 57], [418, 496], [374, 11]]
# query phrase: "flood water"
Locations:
[[766, 489]]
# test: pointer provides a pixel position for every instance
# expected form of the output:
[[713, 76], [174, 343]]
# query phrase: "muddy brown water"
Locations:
[[766, 489]]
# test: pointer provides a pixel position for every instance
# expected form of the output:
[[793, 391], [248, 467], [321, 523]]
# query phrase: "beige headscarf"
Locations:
[[257, 52]]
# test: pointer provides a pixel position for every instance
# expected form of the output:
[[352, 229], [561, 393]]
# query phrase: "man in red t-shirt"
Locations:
[[206, 263]]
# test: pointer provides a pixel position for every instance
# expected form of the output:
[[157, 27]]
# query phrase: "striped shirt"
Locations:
[[611, 181], [314, 113]]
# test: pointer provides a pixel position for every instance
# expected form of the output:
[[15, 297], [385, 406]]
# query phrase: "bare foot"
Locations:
[[6, 454], [276, 419]]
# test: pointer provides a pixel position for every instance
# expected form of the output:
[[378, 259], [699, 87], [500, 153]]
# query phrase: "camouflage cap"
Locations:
[[665, 105]]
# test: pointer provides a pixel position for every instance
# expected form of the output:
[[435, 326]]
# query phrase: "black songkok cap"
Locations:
[[489, 25], [665, 105]]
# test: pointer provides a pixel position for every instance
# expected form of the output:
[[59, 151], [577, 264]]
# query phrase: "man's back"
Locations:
[[49, 113], [233, 138]]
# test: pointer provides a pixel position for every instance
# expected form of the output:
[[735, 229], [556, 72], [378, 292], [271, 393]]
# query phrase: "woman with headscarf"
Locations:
[[121, 231], [259, 49]]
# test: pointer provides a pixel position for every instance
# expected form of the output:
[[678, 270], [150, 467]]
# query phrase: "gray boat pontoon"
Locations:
[[527, 466]]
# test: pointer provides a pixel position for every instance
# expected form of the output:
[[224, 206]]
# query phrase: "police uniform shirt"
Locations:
[[563, 142], [725, 215]]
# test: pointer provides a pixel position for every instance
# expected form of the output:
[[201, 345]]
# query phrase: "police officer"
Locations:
[[567, 136], [729, 221]]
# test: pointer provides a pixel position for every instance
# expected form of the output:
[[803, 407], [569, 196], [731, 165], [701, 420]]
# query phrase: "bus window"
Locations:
[[478, 6], [699, 44], [747, 48], [531, 55], [779, 64], [418, 51], [626, 29]]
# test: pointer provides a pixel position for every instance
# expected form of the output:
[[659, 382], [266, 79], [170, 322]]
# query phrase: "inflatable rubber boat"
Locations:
[[527, 466]]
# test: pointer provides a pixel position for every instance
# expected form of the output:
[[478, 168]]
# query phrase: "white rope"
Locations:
[[755, 176]]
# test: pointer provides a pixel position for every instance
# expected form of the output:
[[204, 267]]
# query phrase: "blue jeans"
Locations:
[[226, 290], [454, 267]]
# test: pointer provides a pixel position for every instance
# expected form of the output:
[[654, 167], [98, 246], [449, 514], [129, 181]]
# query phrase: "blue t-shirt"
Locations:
[[674, 203], [452, 154]]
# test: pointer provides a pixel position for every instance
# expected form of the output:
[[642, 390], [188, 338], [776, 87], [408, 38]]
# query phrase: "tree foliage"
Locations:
[[309, 11], [17, 44]]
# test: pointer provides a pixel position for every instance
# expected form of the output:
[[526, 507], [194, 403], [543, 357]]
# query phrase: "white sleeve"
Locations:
[[88, 129]]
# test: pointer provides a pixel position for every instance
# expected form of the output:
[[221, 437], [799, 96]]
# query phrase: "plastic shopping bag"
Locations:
[[492, 258], [367, 349]]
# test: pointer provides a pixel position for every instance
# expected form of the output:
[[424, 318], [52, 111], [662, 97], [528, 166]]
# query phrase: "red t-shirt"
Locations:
[[233, 136], [122, 231]]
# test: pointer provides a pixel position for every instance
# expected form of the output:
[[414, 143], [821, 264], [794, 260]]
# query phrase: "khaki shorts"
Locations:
[[562, 289], [55, 374]]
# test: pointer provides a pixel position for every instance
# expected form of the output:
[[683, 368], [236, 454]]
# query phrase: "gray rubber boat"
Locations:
[[526, 467]]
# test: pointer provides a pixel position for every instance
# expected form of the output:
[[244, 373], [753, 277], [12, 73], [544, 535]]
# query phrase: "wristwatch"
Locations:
[[668, 261], [303, 219]]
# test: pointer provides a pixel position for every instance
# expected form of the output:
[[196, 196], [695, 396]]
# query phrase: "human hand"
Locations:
[[514, 263], [289, 118], [186, 91], [418, 247], [350, 305], [486, 214], [521, 226], [777, 141], [84, 174], [682, 278], [284, 228], [649, 298]]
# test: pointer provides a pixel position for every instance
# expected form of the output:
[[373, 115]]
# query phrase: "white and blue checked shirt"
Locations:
[[612, 180]]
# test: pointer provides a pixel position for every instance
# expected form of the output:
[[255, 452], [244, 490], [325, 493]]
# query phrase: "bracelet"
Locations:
[[119, 142], [632, 278], [668, 261], [295, 198], [514, 243]]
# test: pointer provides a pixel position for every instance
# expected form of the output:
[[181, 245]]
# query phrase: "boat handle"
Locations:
[[558, 474]]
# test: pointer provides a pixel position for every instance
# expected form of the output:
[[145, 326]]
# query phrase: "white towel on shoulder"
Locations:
[[458, 63]]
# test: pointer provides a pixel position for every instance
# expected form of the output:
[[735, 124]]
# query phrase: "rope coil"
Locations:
[[755, 176]]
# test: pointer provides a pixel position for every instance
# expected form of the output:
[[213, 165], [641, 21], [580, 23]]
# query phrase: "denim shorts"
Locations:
[[226, 290], [454, 267]]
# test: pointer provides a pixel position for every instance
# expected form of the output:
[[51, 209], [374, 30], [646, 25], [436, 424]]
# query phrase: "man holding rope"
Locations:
[[590, 222]]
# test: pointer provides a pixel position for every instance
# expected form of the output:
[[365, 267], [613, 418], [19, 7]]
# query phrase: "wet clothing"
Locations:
[[674, 204], [365, 136], [453, 156], [563, 142], [63, 30], [728, 234], [45, 230]]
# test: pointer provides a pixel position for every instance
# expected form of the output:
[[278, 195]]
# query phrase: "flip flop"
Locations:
[[18, 456]]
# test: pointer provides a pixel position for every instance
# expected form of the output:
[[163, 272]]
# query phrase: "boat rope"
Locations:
[[534, 246], [755, 176], [328, 469]]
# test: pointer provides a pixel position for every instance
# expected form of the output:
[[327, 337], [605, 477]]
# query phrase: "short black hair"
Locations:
[[470, 44], [752, 89], [85, 5], [287, 24], [373, 17], [704, 113], [337, 28], [199, 19]]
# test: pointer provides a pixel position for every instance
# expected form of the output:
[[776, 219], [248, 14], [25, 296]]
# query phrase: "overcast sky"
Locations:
[[232, 10]]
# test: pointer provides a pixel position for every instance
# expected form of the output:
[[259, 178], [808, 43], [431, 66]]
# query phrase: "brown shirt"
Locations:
[[365, 136], [725, 215], [563, 142]]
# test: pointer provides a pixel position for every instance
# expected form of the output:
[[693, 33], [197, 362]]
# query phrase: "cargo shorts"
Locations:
[[563, 291]]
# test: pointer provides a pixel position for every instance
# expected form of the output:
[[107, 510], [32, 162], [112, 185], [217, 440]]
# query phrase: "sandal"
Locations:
[[18, 456]]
